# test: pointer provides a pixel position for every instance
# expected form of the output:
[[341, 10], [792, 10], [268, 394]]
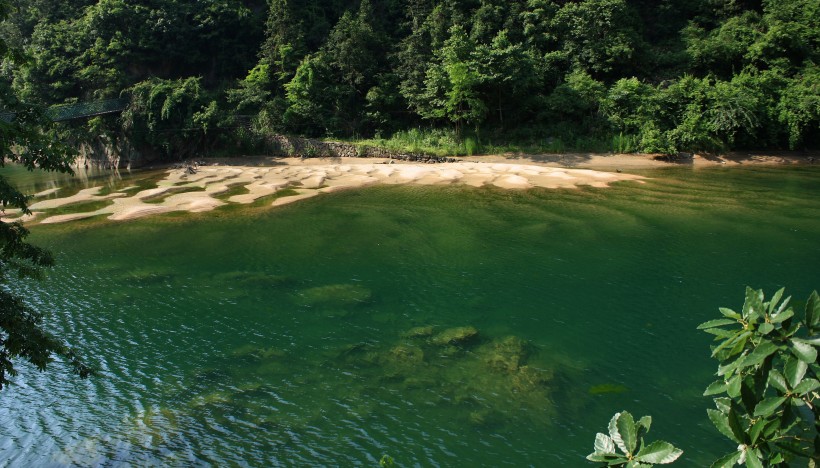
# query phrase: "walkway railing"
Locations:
[[79, 110]]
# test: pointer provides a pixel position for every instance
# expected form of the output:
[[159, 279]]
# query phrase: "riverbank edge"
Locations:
[[595, 161]]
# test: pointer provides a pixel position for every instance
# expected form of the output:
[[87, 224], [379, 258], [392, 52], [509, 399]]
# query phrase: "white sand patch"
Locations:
[[314, 181], [68, 217], [294, 198], [314, 178], [512, 182], [84, 195], [138, 211], [195, 202], [48, 192]]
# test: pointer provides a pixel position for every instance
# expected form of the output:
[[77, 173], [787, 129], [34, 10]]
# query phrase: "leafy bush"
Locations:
[[766, 394], [768, 380], [169, 117], [628, 436]]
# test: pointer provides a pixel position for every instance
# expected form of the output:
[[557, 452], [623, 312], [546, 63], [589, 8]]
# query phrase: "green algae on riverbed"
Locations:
[[445, 325]]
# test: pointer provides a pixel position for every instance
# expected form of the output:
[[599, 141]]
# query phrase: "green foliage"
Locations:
[[598, 36], [627, 436], [452, 82], [24, 139], [626, 75], [573, 107], [170, 117], [328, 93], [766, 395], [799, 108]]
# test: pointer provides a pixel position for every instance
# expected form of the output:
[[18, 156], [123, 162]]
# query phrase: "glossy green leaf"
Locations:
[[753, 459], [615, 434], [659, 452], [772, 427], [783, 306], [643, 426], [721, 422], [803, 411], [753, 305], [734, 423], [806, 386], [804, 351], [775, 299], [604, 444], [765, 328], [730, 367], [791, 447], [729, 313], [754, 431], [740, 335], [720, 333], [636, 464], [723, 404], [777, 381], [761, 352], [813, 311], [727, 461], [782, 316], [768, 406], [794, 370], [602, 458], [715, 388], [715, 323], [733, 387], [628, 432], [814, 340]]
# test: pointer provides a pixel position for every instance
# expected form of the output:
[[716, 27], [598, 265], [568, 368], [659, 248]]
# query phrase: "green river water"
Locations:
[[326, 332]]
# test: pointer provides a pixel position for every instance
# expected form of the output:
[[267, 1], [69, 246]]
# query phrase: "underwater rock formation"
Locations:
[[455, 336], [340, 295]]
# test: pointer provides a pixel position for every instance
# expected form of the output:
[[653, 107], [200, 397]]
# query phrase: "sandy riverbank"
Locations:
[[249, 179], [207, 188], [650, 161]]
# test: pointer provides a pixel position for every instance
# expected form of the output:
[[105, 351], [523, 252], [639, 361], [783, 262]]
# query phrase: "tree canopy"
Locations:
[[24, 140], [693, 75]]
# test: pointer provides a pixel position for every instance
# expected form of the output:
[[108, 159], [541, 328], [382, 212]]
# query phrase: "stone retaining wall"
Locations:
[[107, 153]]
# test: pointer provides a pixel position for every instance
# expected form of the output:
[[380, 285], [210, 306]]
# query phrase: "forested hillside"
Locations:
[[624, 75]]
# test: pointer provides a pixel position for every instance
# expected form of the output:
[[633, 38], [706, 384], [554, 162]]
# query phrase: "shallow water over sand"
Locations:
[[440, 325]]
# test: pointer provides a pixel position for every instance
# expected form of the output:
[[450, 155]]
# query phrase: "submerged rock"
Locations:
[[506, 354], [419, 332], [148, 277], [406, 354], [334, 295], [256, 353], [485, 418], [529, 379], [455, 336], [253, 279]]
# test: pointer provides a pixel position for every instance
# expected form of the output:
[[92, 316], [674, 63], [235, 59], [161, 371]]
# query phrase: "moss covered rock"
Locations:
[[419, 332], [506, 354], [340, 295], [455, 336]]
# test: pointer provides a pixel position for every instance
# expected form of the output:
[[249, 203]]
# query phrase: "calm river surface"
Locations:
[[335, 330]]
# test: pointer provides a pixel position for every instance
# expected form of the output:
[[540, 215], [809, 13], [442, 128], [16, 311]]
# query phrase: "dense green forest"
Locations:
[[620, 75]]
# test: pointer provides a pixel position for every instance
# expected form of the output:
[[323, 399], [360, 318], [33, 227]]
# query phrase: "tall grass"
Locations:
[[624, 143], [445, 142]]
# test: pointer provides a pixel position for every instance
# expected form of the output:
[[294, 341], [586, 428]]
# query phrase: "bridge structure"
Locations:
[[79, 110]]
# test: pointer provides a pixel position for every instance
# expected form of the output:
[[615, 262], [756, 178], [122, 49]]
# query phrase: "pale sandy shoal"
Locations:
[[312, 178], [650, 161]]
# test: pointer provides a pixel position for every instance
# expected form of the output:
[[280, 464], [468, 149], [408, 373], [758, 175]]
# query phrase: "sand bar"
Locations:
[[182, 191]]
